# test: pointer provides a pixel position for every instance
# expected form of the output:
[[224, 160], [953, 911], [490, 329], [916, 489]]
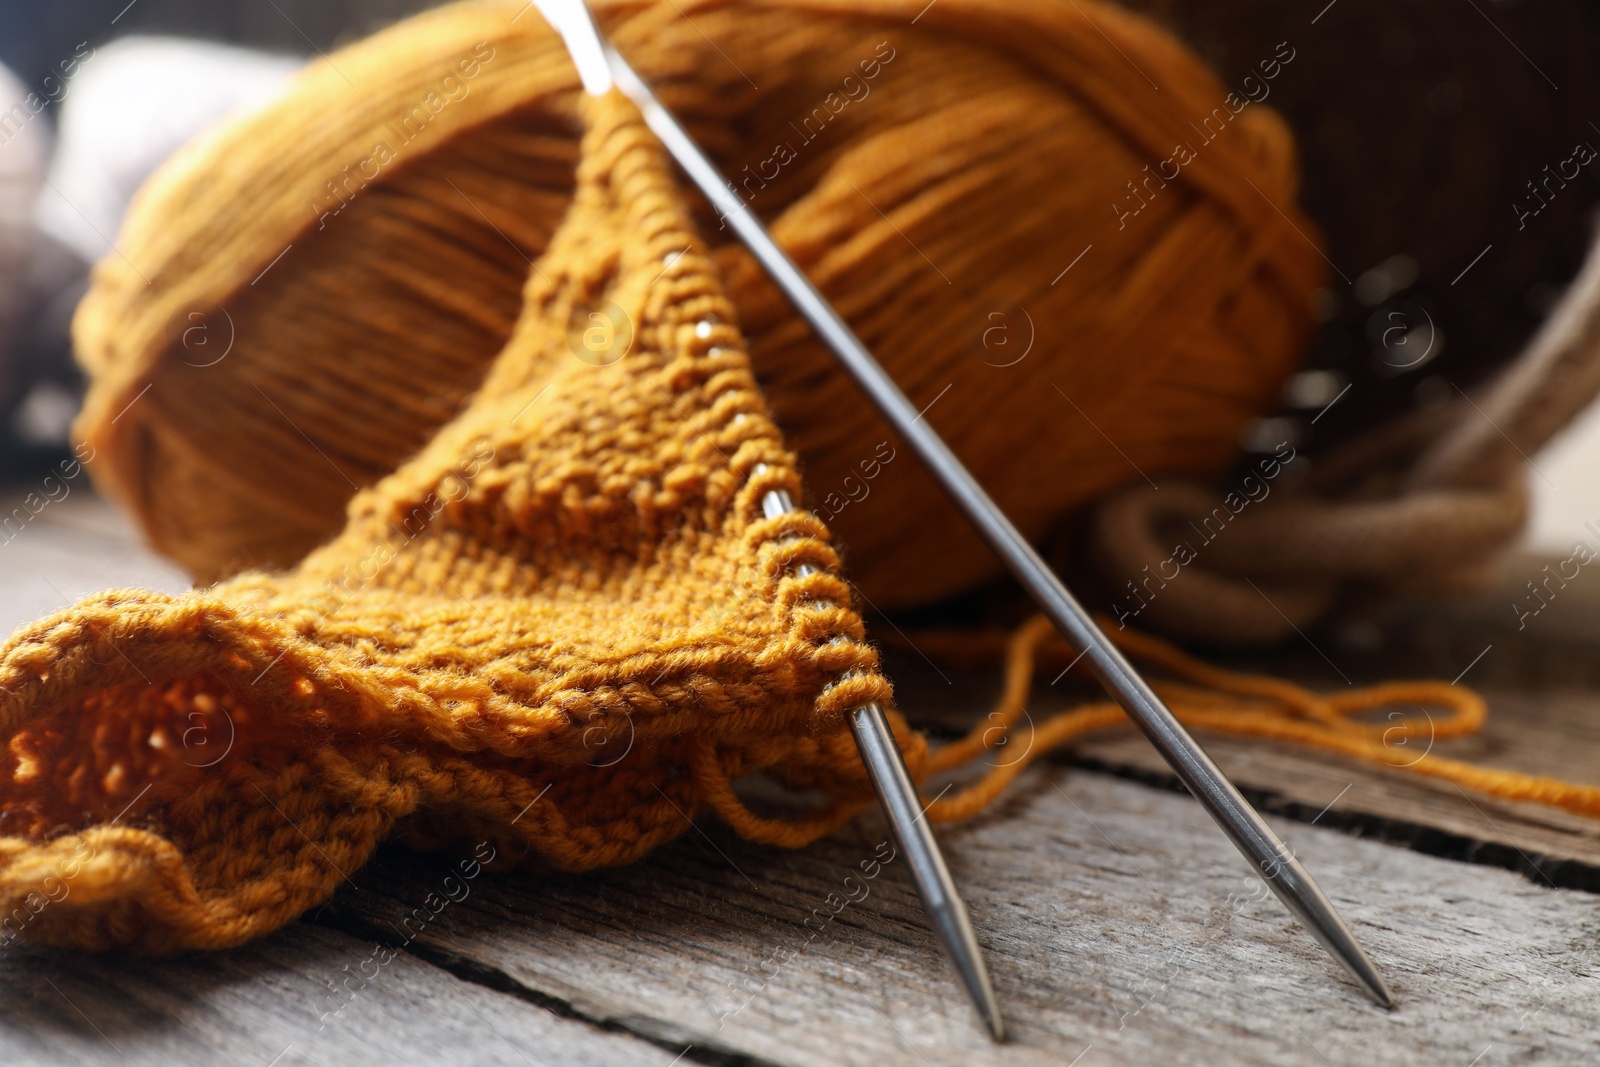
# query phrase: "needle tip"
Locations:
[[1296, 888], [997, 1027], [947, 913], [1379, 991], [955, 932], [1334, 934]]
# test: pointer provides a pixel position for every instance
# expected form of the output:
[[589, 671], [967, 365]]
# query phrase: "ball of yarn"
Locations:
[[1064, 237]]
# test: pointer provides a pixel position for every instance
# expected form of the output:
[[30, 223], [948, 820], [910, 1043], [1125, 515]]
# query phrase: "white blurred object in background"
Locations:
[[130, 105], [120, 110], [1565, 479]]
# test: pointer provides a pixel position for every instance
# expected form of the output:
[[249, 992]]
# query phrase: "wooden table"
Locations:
[[1120, 926]]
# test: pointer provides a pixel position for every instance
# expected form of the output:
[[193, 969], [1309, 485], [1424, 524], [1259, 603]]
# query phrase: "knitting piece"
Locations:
[[561, 629]]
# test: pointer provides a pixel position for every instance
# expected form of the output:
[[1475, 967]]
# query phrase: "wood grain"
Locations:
[[273, 1003], [1547, 845], [1118, 923]]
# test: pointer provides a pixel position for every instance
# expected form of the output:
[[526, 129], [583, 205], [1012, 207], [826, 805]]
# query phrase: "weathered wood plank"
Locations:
[[1119, 925], [280, 1002]]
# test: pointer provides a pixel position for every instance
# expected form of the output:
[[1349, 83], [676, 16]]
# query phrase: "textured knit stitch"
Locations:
[[580, 557]]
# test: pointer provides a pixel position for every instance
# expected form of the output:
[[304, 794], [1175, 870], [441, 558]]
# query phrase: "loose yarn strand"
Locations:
[[1246, 705]]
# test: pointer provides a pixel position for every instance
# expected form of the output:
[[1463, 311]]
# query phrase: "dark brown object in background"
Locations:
[[34, 36], [1420, 124]]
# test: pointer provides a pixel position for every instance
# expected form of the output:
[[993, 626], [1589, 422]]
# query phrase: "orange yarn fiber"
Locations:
[[1209, 698], [935, 179]]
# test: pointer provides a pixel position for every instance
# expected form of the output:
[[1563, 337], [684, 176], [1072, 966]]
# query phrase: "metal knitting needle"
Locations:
[[1272, 859], [903, 808], [886, 767]]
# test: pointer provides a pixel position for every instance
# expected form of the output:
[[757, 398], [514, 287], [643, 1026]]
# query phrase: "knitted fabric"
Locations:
[[560, 627]]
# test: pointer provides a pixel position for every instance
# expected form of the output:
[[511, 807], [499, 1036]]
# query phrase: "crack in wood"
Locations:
[[490, 977]]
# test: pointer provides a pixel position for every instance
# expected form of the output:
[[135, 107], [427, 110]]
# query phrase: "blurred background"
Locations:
[[147, 102]]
